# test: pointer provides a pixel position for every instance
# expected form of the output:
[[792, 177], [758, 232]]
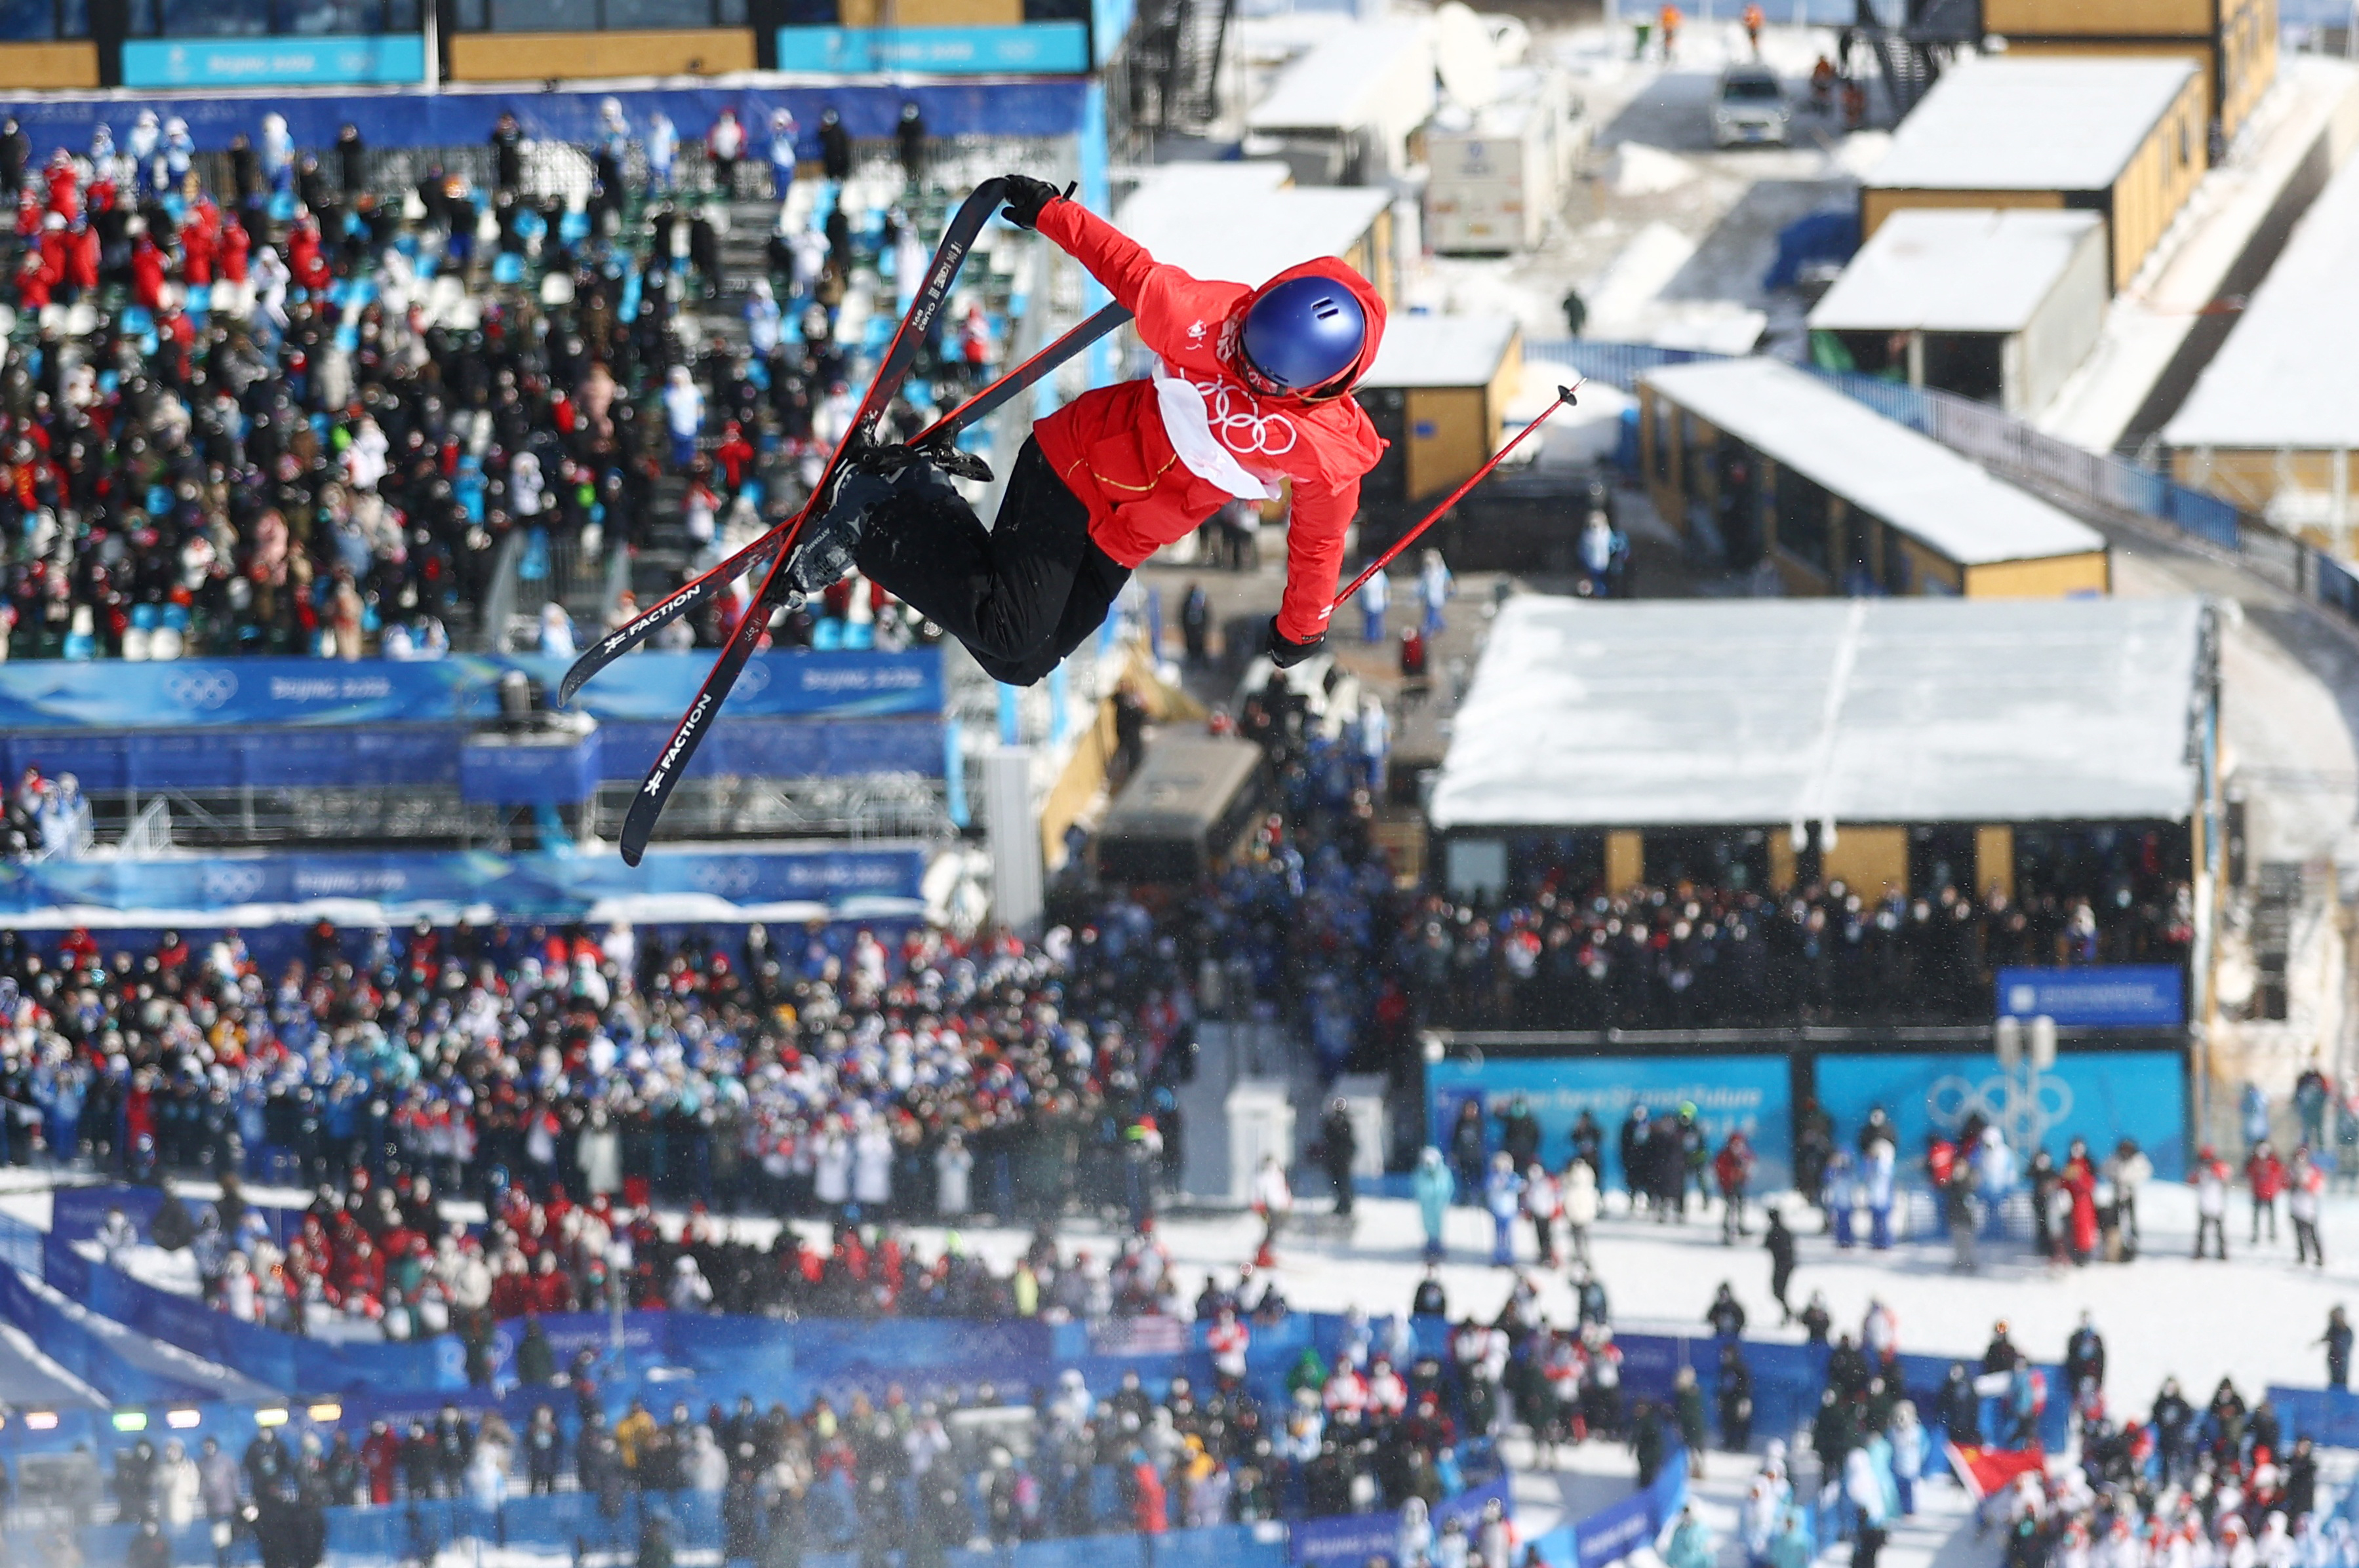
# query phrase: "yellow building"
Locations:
[[2273, 423], [1438, 393], [1757, 460], [2232, 42], [2121, 137]]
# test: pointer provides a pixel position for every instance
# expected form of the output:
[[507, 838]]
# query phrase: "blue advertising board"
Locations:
[[564, 886], [347, 60], [2109, 996], [206, 693], [494, 771], [1751, 1093], [417, 118], [2101, 1096], [1028, 48], [393, 755]]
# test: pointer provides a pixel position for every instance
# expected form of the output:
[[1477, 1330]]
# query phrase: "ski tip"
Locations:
[[635, 843]]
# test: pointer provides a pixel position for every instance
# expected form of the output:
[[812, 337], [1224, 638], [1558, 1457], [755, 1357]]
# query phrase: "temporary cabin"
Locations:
[[1342, 114], [2232, 42], [1761, 461], [2121, 137], [2273, 422], [1438, 394], [1997, 305]]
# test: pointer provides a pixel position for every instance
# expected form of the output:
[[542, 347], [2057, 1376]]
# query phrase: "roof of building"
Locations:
[[2054, 123], [1183, 785], [1441, 351], [2288, 373], [1332, 85], [1914, 483], [1759, 712], [1262, 231], [1964, 269]]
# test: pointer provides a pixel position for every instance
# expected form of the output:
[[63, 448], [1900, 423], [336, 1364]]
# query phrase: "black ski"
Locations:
[[989, 400], [900, 354]]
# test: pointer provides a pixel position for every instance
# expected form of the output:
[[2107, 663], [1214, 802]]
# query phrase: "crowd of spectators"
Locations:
[[299, 414], [1691, 956]]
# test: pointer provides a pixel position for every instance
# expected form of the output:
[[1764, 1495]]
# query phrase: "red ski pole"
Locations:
[[1564, 398]]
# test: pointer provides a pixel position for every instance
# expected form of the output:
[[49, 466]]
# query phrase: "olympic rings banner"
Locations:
[[209, 694], [2101, 1096]]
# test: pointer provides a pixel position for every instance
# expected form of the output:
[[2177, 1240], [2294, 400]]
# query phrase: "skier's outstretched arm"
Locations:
[[1153, 291], [1314, 558]]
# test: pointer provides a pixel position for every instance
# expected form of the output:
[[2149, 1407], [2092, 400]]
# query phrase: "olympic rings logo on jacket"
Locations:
[[1244, 431]]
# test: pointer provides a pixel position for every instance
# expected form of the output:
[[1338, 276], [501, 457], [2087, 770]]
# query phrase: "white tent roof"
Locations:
[[1441, 351], [1332, 86], [2288, 373], [1260, 230], [1916, 484], [1968, 269], [1759, 712], [2058, 123]]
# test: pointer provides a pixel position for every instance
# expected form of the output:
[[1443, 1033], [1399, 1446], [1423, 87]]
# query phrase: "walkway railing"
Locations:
[[2019, 451]]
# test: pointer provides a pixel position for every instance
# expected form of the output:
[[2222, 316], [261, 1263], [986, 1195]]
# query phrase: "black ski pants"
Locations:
[[1021, 595]]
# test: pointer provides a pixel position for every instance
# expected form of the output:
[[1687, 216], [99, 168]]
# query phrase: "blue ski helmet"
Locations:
[[1304, 333]]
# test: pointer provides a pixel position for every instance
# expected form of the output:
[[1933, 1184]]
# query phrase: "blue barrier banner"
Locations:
[[2328, 1417], [1613, 1533], [554, 885], [783, 748], [428, 755], [205, 694], [1751, 1093], [422, 119], [497, 770], [2112, 996], [390, 59], [1355, 1540], [2101, 1096], [1027, 48]]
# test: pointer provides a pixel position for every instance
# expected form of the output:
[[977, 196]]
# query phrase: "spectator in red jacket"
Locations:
[[2264, 1175]]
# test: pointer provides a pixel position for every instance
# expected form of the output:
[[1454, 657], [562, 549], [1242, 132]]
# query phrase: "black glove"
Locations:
[[1025, 197], [1285, 654]]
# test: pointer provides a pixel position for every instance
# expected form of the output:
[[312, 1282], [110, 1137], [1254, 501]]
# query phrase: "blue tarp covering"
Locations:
[[558, 886], [218, 693], [416, 118], [1830, 236]]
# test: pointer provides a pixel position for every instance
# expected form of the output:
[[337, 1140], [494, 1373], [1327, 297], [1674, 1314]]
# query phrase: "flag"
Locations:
[[1987, 1470]]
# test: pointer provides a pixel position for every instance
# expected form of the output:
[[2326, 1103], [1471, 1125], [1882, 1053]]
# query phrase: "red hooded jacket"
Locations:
[[1112, 447]]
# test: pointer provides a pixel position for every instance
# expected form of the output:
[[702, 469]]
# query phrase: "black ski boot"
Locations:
[[947, 458], [823, 551]]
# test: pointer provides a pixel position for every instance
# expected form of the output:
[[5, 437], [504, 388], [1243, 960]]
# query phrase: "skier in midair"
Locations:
[[1253, 386]]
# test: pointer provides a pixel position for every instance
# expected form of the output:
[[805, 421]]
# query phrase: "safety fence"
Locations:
[[2328, 1417], [567, 1523], [705, 1358], [2011, 447], [1617, 1532]]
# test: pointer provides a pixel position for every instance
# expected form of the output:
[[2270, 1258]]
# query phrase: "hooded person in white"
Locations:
[[953, 1169], [707, 1466], [872, 1165]]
